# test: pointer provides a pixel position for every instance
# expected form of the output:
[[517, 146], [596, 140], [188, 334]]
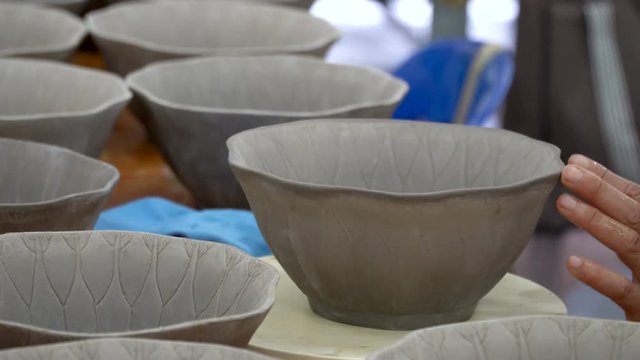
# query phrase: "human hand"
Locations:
[[608, 207]]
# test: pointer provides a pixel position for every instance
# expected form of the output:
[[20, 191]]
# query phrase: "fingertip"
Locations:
[[575, 262], [566, 202], [580, 160]]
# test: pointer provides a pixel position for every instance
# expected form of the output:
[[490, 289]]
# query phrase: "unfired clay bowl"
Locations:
[[196, 104], [79, 285], [59, 104], [49, 188], [531, 338], [394, 224], [304, 4], [218, 28], [38, 32], [74, 6], [129, 349]]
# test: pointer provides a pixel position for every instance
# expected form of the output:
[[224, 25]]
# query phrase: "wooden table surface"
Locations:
[[143, 170]]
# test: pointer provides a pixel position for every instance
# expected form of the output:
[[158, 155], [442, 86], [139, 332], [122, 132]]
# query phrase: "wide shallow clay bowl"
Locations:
[[394, 224], [196, 104], [531, 338], [79, 285], [59, 104], [217, 28], [49, 188], [38, 32], [129, 349], [304, 4]]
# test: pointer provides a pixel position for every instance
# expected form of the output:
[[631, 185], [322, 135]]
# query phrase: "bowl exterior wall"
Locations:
[[393, 262], [194, 143]]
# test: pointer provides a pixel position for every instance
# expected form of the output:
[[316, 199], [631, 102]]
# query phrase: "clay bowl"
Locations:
[[38, 32], [394, 224], [217, 28], [533, 338], [117, 284], [304, 4], [59, 104], [74, 6], [129, 349], [49, 188], [196, 104]]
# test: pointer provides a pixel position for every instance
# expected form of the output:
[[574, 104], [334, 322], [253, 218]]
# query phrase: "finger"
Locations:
[[602, 195], [627, 187], [621, 239], [611, 284]]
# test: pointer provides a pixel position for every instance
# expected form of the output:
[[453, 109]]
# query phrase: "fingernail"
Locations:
[[581, 161], [572, 174], [575, 262], [567, 202]]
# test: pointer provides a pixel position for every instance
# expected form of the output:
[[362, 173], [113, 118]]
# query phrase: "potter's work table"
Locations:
[[293, 331]]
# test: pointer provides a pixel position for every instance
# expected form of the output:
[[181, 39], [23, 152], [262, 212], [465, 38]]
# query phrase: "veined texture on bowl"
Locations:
[[304, 4], [218, 28], [531, 338], [196, 104], [38, 32], [129, 349], [49, 188], [78, 285], [394, 224], [59, 104]]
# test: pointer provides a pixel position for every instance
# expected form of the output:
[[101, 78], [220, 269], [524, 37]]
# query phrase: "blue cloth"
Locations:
[[436, 76], [161, 216]]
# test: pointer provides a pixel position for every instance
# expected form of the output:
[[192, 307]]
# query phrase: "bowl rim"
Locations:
[[233, 142], [104, 189], [332, 33], [408, 339], [124, 95], [263, 308], [132, 80], [251, 355], [63, 15]]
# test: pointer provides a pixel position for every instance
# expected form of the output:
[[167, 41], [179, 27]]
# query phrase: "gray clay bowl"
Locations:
[[80, 285], [218, 28], [196, 104], [38, 32], [304, 4], [531, 338], [59, 104], [74, 6], [394, 224], [49, 188], [129, 349]]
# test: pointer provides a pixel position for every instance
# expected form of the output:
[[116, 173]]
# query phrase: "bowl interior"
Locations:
[[211, 25], [112, 282], [19, 30], [393, 156], [32, 172], [33, 88], [278, 83]]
